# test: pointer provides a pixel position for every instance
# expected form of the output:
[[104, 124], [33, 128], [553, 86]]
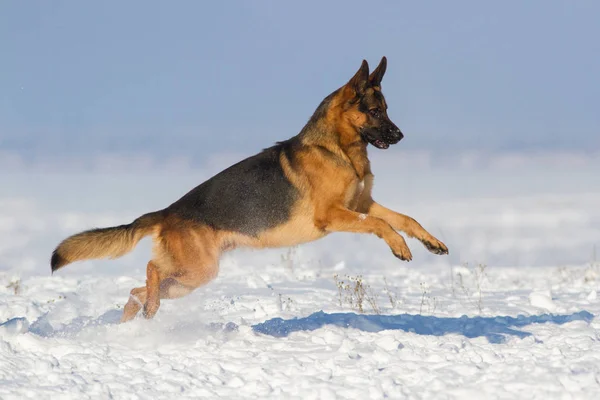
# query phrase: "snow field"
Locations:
[[510, 313]]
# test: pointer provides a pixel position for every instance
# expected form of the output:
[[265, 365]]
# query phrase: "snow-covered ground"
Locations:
[[511, 313]]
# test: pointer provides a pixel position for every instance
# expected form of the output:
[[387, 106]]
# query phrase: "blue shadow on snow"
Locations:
[[493, 328]]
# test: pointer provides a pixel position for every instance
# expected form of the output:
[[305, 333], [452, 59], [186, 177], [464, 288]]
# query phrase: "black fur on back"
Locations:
[[248, 197], [319, 113], [253, 195]]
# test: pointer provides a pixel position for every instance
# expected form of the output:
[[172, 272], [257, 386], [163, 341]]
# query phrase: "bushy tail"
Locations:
[[110, 242]]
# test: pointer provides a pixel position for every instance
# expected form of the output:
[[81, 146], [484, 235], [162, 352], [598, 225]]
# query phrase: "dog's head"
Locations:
[[365, 110]]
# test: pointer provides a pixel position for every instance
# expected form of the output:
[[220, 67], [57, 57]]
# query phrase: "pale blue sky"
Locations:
[[195, 78]]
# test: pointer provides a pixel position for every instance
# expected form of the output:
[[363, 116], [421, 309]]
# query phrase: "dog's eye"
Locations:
[[375, 112]]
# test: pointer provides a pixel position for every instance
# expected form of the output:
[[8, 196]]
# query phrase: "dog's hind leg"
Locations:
[[179, 286], [169, 288], [137, 299], [152, 291], [145, 296], [188, 259], [184, 260]]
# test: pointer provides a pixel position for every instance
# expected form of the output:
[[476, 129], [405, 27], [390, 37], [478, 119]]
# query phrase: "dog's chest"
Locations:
[[354, 193], [360, 187]]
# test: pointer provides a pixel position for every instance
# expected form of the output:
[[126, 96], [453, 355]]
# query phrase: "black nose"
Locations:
[[397, 134]]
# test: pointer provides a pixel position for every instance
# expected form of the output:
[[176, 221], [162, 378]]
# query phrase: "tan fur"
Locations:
[[111, 242], [99, 244], [185, 257]]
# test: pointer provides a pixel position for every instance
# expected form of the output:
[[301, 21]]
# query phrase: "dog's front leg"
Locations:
[[339, 219], [408, 225]]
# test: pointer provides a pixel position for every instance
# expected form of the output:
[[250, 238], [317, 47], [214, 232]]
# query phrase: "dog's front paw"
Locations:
[[403, 254], [399, 248], [435, 246]]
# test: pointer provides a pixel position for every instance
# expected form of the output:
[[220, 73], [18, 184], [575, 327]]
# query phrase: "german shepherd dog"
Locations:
[[297, 191]]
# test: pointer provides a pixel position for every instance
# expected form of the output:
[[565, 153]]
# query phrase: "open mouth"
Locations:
[[380, 144], [378, 140]]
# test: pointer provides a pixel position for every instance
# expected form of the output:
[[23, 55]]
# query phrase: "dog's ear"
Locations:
[[358, 83], [377, 75]]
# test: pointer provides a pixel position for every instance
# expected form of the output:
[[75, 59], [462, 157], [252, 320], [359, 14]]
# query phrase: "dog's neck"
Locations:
[[343, 140], [356, 151]]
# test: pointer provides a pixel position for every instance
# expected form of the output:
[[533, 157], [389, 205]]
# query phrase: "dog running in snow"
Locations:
[[297, 191]]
